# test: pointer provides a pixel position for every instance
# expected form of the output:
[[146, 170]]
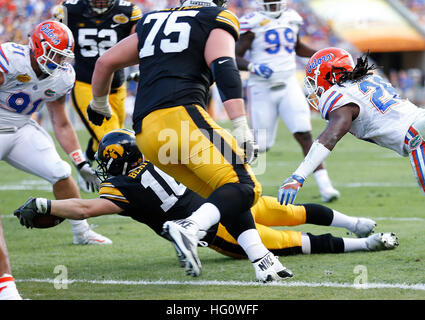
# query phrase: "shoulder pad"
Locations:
[[253, 20], [229, 22], [292, 16], [136, 14]]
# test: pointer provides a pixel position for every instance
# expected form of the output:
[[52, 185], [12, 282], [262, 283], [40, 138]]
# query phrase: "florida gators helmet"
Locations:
[[272, 8], [52, 44], [117, 153], [101, 6], [323, 70]]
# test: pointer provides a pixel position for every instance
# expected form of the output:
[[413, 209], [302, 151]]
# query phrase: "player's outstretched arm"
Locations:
[[339, 124], [76, 209]]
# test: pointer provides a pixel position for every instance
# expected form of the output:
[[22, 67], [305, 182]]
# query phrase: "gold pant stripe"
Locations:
[[226, 148]]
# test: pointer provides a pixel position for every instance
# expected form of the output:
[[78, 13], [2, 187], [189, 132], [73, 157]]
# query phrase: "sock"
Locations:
[[251, 243], [343, 221], [322, 179], [305, 244], [8, 288], [352, 244], [206, 216], [78, 226]]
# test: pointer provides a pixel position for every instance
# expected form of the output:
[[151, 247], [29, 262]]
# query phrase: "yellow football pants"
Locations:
[[81, 96], [267, 212], [186, 143]]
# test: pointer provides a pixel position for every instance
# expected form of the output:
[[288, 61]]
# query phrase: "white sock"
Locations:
[[343, 221], [79, 226], [206, 216], [251, 243], [353, 244], [322, 179], [305, 244]]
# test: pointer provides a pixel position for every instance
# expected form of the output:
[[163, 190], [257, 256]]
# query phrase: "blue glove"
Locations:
[[260, 69], [289, 189]]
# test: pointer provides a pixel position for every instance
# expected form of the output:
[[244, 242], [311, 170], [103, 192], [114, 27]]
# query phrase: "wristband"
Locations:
[[317, 154], [43, 205], [77, 157], [240, 122], [102, 101]]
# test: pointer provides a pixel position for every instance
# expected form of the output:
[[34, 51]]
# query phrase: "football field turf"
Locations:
[[374, 182]]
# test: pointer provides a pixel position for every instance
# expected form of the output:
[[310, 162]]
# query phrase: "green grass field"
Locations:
[[374, 182]]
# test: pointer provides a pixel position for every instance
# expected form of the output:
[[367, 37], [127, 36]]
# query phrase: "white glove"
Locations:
[[99, 109], [91, 182], [245, 138]]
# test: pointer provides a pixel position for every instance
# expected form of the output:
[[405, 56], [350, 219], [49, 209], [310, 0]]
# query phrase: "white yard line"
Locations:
[[417, 286]]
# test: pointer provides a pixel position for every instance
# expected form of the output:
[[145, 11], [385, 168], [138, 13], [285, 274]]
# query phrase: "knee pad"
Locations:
[[61, 170]]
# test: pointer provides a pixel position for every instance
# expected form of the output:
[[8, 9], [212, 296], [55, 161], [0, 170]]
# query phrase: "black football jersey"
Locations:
[[94, 34], [150, 196], [171, 44]]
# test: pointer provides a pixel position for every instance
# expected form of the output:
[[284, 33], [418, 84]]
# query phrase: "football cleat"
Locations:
[[382, 241], [90, 237], [364, 227], [8, 290], [180, 255], [184, 235], [329, 194], [269, 268]]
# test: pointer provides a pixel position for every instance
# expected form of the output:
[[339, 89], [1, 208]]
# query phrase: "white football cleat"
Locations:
[[90, 237], [382, 241], [364, 227], [330, 194], [269, 268], [8, 289], [184, 235]]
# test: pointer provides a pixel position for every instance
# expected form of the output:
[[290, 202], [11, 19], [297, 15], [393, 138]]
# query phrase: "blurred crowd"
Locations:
[[18, 17], [417, 7]]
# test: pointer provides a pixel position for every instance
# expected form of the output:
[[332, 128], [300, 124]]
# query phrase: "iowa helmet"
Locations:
[[117, 153]]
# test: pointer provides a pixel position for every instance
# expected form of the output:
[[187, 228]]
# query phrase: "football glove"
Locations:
[[98, 110], [30, 209], [289, 189], [245, 139], [91, 181], [260, 69]]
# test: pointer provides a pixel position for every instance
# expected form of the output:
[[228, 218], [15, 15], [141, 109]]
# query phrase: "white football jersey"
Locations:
[[274, 42], [22, 93], [384, 116]]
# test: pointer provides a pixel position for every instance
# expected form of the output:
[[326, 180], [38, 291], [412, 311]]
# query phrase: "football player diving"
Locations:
[[352, 98], [134, 187], [97, 25]]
